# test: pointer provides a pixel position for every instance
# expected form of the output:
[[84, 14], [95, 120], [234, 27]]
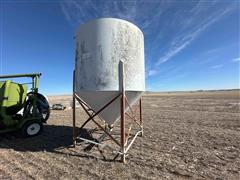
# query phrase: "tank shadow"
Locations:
[[52, 138]]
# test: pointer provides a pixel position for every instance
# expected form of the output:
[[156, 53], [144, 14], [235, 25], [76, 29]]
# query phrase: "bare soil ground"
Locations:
[[186, 135]]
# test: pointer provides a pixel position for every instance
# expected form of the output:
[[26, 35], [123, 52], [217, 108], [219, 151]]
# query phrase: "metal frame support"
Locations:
[[123, 144], [141, 119], [122, 80], [74, 111]]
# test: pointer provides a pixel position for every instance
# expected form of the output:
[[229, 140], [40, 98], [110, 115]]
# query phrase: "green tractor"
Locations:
[[21, 110]]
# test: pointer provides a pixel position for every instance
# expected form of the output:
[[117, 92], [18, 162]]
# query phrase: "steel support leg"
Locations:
[[141, 119], [122, 83], [123, 127], [74, 111]]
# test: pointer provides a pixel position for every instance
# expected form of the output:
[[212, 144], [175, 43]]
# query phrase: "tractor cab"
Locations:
[[20, 109]]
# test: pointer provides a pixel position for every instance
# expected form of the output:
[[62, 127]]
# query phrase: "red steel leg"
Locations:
[[140, 110], [74, 111]]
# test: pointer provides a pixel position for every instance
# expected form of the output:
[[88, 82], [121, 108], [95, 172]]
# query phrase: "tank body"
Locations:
[[100, 45]]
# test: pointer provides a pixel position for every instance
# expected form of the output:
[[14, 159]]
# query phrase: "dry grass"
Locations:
[[186, 135]]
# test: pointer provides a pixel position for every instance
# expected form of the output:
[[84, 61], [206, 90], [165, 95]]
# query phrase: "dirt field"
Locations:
[[186, 135]]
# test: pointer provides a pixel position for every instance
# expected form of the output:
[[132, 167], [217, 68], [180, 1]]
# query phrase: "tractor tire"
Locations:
[[42, 106], [32, 128]]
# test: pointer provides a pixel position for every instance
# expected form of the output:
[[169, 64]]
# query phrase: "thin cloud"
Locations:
[[217, 66], [236, 59], [161, 35], [213, 51], [213, 54], [152, 72], [182, 41], [207, 59], [183, 75], [65, 12], [144, 13]]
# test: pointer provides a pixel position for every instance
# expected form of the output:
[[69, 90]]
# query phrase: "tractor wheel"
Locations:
[[32, 128], [42, 106]]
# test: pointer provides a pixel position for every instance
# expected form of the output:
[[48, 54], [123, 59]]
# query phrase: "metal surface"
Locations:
[[140, 112], [130, 144], [91, 117], [74, 111], [122, 82], [100, 144], [21, 75], [100, 110], [124, 145], [109, 78], [96, 100], [33, 129], [100, 46]]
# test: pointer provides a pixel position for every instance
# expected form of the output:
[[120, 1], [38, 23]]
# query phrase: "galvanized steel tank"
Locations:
[[100, 45]]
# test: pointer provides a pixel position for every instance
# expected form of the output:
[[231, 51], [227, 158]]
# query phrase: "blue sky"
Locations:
[[189, 45]]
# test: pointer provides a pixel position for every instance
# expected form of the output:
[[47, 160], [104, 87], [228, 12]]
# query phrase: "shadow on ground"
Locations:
[[52, 138]]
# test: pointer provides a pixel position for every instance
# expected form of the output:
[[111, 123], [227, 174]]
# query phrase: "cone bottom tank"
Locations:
[[100, 46], [97, 100]]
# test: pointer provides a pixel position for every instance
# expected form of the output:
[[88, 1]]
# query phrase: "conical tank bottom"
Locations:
[[98, 99]]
